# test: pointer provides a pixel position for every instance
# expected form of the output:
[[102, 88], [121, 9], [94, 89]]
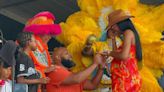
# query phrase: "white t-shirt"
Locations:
[[7, 87]]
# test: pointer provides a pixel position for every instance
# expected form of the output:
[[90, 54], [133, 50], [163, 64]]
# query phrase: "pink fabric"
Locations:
[[51, 29], [2, 82]]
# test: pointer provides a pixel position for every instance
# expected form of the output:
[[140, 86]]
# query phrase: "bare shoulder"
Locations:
[[129, 33]]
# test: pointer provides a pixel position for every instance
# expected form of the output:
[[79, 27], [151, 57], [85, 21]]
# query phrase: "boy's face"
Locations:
[[32, 44]]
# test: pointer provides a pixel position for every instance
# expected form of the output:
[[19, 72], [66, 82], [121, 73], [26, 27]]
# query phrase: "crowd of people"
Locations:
[[42, 73]]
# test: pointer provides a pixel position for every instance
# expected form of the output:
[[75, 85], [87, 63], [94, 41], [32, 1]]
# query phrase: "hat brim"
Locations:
[[117, 21], [51, 29]]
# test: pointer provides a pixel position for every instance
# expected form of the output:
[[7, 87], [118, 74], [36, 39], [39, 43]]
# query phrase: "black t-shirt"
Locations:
[[25, 67]]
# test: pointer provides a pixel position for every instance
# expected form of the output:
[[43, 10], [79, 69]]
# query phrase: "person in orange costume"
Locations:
[[63, 80], [43, 27]]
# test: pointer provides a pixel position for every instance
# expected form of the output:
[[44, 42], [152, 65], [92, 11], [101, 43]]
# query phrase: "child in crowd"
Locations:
[[5, 73], [25, 70]]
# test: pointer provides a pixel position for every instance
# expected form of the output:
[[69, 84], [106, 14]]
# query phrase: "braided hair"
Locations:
[[23, 37]]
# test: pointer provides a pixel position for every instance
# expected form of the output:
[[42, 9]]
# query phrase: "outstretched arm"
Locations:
[[92, 84], [79, 77], [83, 75], [32, 81]]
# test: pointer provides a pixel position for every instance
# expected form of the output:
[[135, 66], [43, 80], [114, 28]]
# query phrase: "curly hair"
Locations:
[[23, 37]]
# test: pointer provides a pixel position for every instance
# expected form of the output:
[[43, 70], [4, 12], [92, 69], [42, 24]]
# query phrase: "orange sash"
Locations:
[[41, 48]]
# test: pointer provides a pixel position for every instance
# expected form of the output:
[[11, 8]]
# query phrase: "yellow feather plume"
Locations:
[[149, 21]]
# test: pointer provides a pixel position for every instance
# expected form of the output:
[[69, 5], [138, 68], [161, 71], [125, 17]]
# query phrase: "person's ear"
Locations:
[[58, 58]]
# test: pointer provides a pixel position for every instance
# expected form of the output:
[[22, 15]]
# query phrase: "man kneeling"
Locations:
[[62, 80]]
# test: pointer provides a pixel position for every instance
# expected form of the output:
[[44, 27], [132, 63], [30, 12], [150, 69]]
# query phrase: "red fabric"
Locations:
[[125, 75], [56, 78], [42, 47], [2, 82]]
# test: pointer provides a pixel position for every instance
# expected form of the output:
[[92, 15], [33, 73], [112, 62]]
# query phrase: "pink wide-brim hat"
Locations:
[[43, 23]]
